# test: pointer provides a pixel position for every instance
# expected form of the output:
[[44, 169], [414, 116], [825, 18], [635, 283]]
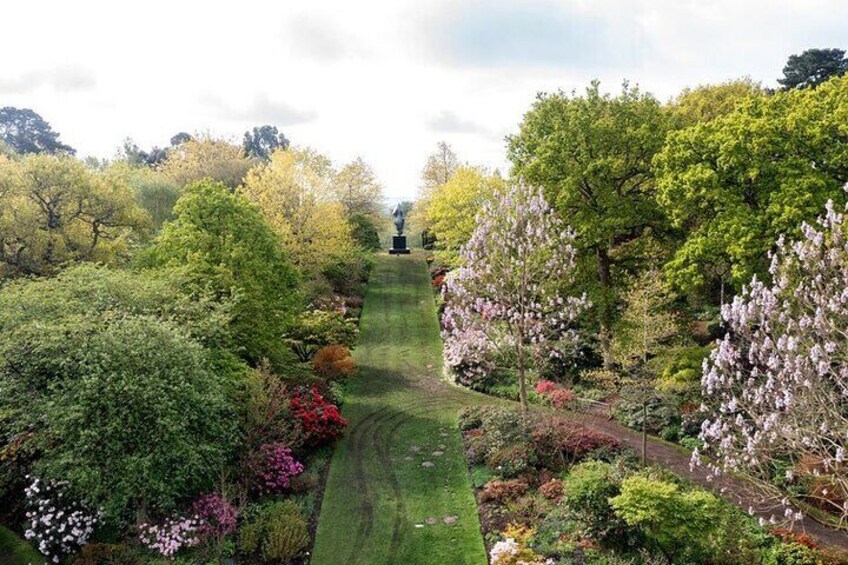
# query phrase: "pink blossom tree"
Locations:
[[775, 388], [506, 302]]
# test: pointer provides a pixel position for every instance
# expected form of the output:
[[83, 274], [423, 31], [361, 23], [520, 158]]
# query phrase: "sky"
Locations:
[[382, 80]]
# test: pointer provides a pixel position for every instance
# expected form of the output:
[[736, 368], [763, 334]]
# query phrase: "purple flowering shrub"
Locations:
[[274, 467], [57, 525], [218, 517], [773, 385]]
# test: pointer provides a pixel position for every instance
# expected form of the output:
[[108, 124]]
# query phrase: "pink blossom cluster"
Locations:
[[509, 289], [172, 535], [508, 551], [274, 467], [218, 517], [775, 385], [557, 395], [57, 525]]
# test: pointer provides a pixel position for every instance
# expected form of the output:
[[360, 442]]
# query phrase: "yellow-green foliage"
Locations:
[[279, 532]]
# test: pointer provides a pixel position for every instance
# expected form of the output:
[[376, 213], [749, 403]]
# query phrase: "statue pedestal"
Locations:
[[399, 245]]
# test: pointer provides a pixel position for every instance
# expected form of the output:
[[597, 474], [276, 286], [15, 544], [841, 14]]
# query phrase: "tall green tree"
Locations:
[[737, 183], [813, 67], [226, 246], [27, 132], [592, 154], [261, 142], [356, 187]]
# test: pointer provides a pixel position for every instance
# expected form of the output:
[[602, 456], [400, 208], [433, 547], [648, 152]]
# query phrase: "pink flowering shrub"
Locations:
[[772, 386], [57, 525], [171, 536], [274, 467], [218, 517], [556, 395]]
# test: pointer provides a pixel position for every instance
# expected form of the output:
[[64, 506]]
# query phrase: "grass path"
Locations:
[[398, 489], [16, 551]]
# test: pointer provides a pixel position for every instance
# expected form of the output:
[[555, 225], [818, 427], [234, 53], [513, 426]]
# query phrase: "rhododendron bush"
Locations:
[[775, 386], [320, 420], [274, 467], [57, 525], [506, 300]]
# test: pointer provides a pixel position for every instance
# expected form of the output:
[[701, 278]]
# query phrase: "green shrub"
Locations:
[[588, 488], [471, 417], [680, 524], [364, 232], [278, 532], [319, 328]]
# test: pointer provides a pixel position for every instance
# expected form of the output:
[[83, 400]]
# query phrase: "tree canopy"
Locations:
[[261, 142], [813, 67], [206, 158], [27, 132]]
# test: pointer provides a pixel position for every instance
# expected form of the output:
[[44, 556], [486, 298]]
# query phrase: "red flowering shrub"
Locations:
[[552, 490], [545, 387], [273, 467], [582, 441], [438, 281], [501, 491], [333, 362], [321, 421], [555, 394]]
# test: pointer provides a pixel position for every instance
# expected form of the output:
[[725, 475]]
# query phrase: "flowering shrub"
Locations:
[[333, 362], [57, 526], [513, 550], [171, 536], [558, 441], [321, 421], [782, 361], [274, 467], [218, 518], [557, 396], [438, 281]]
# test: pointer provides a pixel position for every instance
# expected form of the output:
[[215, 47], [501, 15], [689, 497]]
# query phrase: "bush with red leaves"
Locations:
[[320, 420], [552, 490], [545, 387], [559, 441], [501, 491], [788, 536]]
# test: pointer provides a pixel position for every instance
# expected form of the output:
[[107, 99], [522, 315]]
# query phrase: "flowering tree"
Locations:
[[776, 385], [506, 299]]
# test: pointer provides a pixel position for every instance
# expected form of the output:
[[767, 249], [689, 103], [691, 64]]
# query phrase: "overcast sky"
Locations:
[[384, 80]]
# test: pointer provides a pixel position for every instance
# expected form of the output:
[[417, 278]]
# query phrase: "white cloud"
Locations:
[[381, 79]]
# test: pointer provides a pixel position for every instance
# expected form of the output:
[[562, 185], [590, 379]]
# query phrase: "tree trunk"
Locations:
[[604, 310], [645, 433], [522, 378]]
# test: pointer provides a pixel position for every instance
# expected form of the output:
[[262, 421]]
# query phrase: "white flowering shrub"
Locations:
[[775, 388], [506, 300], [57, 525], [172, 535]]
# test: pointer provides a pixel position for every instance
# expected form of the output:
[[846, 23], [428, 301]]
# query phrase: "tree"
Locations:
[[356, 187], [708, 102], [505, 299], [736, 183], [134, 155], [226, 246], [293, 192], [180, 138], [26, 132], [263, 141], [813, 67], [206, 158], [774, 387], [438, 169], [55, 211], [154, 192], [364, 232], [453, 206], [592, 155]]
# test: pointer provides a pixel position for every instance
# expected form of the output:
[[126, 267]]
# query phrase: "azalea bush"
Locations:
[[172, 535], [274, 467], [57, 525], [218, 517], [320, 420], [333, 363]]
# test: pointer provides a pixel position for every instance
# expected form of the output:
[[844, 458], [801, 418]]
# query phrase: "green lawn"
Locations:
[[379, 498], [15, 551]]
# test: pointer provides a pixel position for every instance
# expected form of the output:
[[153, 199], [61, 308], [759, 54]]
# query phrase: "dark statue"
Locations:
[[399, 241], [399, 219]]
